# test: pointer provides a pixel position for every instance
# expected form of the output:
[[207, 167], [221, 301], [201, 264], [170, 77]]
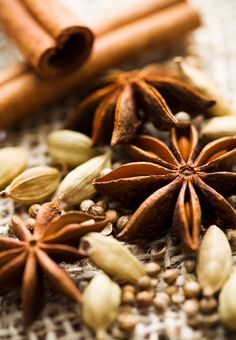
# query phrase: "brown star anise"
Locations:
[[24, 260], [124, 100], [177, 187]]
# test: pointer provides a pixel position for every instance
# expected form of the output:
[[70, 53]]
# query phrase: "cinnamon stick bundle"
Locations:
[[27, 91], [53, 39]]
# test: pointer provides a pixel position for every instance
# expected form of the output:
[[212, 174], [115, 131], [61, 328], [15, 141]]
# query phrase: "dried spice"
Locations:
[[101, 298], [198, 79], [214, 263], [227, 306], [112, 257], [124, 100], [13, 161], [219, 127], [77, 185], [23, 261], [176, 188], [33, 185], [70, 147]]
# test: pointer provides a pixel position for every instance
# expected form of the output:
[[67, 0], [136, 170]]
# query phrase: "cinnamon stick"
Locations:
[[28, 92], [48, 34], [54, 39]]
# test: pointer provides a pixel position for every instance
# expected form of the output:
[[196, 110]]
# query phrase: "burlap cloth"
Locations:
[[214, 47]]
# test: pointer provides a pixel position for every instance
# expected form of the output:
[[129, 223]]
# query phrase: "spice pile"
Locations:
[[179, 186]]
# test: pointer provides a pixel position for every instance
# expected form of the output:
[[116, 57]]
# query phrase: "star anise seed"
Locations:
[[124, 100], [23, 261], [177, 187]]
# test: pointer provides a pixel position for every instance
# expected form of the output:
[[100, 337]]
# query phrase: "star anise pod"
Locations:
[[23, 261], [177, 187], [124, 100]]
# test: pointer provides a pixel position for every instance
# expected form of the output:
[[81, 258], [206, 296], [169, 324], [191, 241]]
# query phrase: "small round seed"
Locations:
[[33, 210], [170, 276], [193, 321], [154, 283], [129, 288], [96, 210], [209, 320], [178, 298], [103, 204], [144, 298], [161, 301], [127, 322], [192, 289], [112, 215], [153, 268], [170, 290], [86, 204], [144, 282], [190, 265], [104, 171], [128, 297], [191, 307], [208, 305], [122, 221], [30, 223]]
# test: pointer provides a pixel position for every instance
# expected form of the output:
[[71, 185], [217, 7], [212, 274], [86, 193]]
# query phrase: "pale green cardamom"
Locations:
[[13, 161], [70, 147], [77, 185], [101, 299], [112, 257]]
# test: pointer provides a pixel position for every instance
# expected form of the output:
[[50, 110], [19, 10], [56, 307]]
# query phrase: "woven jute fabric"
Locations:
[[214, 49]]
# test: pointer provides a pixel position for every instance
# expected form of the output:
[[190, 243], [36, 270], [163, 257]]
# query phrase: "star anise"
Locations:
[[177, 187], [124, 100], [23, 261]]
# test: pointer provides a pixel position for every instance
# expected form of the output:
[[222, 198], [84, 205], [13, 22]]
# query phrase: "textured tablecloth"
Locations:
[[214, 47]]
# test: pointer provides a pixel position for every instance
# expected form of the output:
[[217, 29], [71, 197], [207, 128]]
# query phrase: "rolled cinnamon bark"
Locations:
[[48, 34], [54, 38], [28, 92]]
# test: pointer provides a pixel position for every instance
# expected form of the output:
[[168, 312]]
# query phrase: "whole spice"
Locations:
[[214, 262], [116, 105], [101, 300], [219, 127], [153, 269], [227, 307], [23, 261], [191, 289], [13, 161], [33, 210], [33, 185], [191, 307], [161, 301], [86, 204], [110, 256], [77, 185], [70, 147], [175, 188], [198, 79], [208, 305], [122, 44], [49, 35]]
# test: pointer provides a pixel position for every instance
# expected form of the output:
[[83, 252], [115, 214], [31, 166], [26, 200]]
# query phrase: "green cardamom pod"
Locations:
[[70, 147], [33, 185], [13, 161], [227, 306], [120, 263], [101, 299], [77, 185], [201, 82], [214, 262]]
